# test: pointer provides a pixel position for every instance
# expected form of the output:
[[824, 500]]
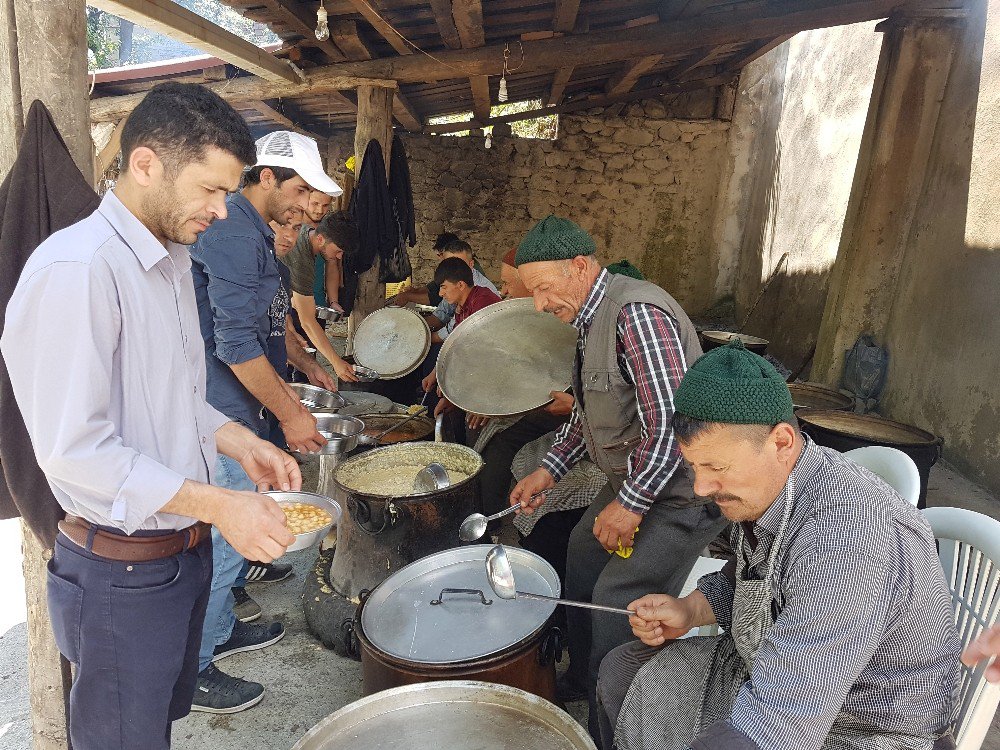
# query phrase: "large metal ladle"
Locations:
[[501, 578], [474, 526]]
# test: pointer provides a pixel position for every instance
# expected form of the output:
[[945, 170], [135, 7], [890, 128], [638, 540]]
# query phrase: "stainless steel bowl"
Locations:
[[309, 538], [341, 435], [313, 397], [365, 374], [329, 314]]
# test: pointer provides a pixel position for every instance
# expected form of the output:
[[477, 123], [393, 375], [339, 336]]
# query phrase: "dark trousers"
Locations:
[[549, 539], [133, 631], [664, 552], [499, 453]]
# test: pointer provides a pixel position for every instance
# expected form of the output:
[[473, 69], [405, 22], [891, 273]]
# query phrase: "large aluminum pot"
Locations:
[[818, 396], [448, 716], [381, 533], [438, 619], [712, 339]]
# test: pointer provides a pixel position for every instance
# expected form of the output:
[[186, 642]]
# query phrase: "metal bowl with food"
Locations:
[[313, 397], [306, 510], [328, 314], [341, 433]]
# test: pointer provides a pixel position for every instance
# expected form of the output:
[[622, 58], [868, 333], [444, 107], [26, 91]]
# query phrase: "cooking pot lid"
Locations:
[[868, 427], [506, 359], [399, 619], [726, 336], [448, 714], [392, 341]]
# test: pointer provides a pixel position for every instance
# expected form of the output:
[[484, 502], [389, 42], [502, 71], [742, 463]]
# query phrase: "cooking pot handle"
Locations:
[[350, 638], [389, 517], [482, 596], [551, 647]]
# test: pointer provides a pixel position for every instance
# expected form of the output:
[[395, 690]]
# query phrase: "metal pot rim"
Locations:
[[368, 455]]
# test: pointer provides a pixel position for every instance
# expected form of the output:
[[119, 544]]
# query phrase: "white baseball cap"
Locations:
[[283, 148]]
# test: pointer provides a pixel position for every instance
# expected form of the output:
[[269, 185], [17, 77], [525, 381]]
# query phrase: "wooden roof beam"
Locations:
[[446, 23], [757, 50], [367, 9], [405, 114], [179, 23], [468, 15], [693, 61], [480, 86], [347, 37], [559, 81], [564, 19], [293, 15], [625, 79], [272, 114]]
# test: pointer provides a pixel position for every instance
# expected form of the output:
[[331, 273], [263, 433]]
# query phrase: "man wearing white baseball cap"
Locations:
[[236, 280]]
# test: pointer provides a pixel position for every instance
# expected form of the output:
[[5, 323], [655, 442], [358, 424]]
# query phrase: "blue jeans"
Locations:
[[227, 564]]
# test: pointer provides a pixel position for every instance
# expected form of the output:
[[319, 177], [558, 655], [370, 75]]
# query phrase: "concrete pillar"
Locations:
[[43, 55], [910, 81], [374, 121]]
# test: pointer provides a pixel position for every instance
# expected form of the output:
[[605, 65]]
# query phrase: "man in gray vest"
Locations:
[[634, 345]]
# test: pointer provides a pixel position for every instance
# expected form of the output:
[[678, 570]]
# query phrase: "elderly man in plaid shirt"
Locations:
[[634, 345]]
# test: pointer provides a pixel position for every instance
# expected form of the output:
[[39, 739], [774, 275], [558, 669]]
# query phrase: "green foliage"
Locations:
[[546, 127], [102, 40]]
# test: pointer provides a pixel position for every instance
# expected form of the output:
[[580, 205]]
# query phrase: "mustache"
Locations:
[[725, 497]]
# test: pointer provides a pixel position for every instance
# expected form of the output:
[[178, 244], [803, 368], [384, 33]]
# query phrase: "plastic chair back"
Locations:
[[895, 467], [702, 566], [969, 548]]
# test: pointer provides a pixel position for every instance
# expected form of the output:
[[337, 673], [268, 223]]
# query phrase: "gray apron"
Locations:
[[662, 710]]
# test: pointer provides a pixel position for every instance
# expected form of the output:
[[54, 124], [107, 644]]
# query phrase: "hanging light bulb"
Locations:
[[322, 27], [502, 93]]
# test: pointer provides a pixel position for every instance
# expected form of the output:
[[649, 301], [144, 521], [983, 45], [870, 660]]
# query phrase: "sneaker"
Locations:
[[259, 572], [249, 638], [245, 608], [569, 689], [220, 693]]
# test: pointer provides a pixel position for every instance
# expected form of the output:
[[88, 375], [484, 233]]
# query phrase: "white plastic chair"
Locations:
[[702, 566], [894, 466], [969, 548]]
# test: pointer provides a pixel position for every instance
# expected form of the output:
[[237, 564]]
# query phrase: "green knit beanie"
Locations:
[[626, 269], [554, 239], [735, 386]]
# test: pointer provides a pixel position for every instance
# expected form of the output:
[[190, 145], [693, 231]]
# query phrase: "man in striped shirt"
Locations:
[[634, 344], [839, 632]]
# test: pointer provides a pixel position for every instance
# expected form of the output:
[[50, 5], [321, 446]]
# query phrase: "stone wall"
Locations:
[[643, 181]]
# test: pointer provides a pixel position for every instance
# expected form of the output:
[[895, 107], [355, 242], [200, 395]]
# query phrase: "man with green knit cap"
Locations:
[[634, 343], [837, 618]]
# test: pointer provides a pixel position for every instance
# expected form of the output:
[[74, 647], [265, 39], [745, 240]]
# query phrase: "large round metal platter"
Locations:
[[448, 714], [392, 341], [400, 619], [360, 402], [506, 359]]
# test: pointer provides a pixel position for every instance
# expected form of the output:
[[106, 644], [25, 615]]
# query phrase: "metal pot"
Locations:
[[416, 429], [712, 339], [437, 618], [843, 431], [341, 435], [816, 396], [313, 397], [380, 534], [449, 716]]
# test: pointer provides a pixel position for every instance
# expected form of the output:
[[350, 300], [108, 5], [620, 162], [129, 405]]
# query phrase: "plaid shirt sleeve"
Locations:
[[650, 354], [568, 448]]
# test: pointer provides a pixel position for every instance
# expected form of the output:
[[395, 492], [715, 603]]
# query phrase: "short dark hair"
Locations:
[[341, 229], [457, 246], [453, 270], [179, 121], [443, 239], [688, 428], [252, 175]]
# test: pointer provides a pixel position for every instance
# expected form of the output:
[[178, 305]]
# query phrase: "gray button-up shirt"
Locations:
[[105, 356]]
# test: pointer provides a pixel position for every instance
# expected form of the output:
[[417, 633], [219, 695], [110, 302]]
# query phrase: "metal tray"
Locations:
[[506, 359], [309, 538], [392, 341]]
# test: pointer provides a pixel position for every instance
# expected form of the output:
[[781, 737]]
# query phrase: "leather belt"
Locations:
[[132, 548]]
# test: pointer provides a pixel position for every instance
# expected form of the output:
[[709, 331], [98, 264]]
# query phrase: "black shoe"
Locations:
[[220, 693], [245, 608], [249, 638], [259, 572], [569, 689]]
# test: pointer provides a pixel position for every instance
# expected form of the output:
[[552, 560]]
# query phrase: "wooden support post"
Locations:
[[374, 122], [43, 55], [910, 82]]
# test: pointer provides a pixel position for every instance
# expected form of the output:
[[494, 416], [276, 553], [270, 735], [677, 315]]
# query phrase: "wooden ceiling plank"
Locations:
[[405, 114], [446, 24], [625, 79], [564, 19], [347, 37], [468, 16], [375, 18], [293, 15], [183, 25], [273, 115], [739, 61], [695, 60]]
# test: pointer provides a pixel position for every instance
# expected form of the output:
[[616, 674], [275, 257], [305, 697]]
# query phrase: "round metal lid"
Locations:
[[399, 619], [392, 341], [448, 714], [360, 402], [506, 359]]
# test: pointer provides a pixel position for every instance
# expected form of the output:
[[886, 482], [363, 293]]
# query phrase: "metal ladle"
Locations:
[[474, 526], [501, 578], [431, 478], [373, 439]]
